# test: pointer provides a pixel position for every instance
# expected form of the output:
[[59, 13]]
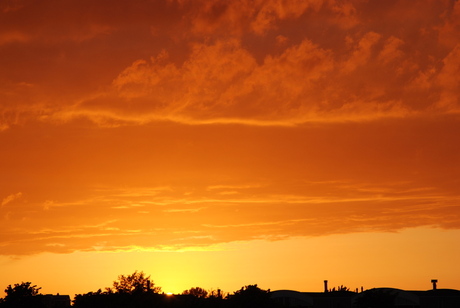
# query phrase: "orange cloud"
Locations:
[[173, 218], [223, 82], [11, 37], [237, 17], [448, 80], [272, 11], [11, 198], [214, 62], [391, 51]]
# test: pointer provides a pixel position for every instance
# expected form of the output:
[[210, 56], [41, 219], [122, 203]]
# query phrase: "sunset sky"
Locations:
[[218, 143]]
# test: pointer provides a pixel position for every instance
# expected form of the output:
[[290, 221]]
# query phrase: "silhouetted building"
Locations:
[[56, 301], [439, 298], [386, 297], [288, 298], [377, 297], [434, 282], [336, 299]]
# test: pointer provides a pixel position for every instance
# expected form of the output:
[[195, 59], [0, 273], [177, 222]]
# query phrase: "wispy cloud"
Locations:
[[11, 198], [250, 214]]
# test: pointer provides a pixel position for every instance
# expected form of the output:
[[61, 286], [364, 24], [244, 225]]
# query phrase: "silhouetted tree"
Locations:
[[250, 296], [216, 294], [135, 283], [22, 295], [97, 299], [341, 288], [135, 290], [196, 292]]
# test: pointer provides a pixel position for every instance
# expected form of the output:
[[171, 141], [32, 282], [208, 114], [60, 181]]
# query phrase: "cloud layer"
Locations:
[[178, 219], [170, 186], [178, 124], [255, 62]]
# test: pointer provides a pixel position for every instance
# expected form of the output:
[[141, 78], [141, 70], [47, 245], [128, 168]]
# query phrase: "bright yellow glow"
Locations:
[[302, 264]]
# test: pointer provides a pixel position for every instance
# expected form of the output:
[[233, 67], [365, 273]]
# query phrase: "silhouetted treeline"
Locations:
[[138, 291], [247, 296]]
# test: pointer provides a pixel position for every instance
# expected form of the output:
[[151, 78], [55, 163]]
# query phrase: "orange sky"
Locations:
[[222, 143]]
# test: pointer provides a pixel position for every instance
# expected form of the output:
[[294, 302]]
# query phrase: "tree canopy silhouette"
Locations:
[[340, 288], [21, 295], [137, 282], [196, 292], [138, 291], [250, 296]]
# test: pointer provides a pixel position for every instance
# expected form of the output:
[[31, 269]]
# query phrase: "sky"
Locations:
[[217, 144]]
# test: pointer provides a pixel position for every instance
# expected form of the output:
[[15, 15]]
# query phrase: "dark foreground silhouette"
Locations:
[[139, 291]]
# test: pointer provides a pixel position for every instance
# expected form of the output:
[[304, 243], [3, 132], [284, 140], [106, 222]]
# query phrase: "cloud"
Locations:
[[362, 52], [237, 17], [272, 11], [391, 50], [223, 82], [252, 213], [449, 28], [253, 62], [449, 81], [10, 6], [12, 36], [11, 198]]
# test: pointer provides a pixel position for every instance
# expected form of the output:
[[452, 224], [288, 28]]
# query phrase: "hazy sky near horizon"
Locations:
[[187, 134]]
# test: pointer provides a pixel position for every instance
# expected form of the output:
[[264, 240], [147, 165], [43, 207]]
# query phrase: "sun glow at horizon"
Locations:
[[246, 263]]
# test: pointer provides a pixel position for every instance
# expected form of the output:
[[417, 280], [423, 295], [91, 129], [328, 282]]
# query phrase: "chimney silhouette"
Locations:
[[434, 281], [325, 286]]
